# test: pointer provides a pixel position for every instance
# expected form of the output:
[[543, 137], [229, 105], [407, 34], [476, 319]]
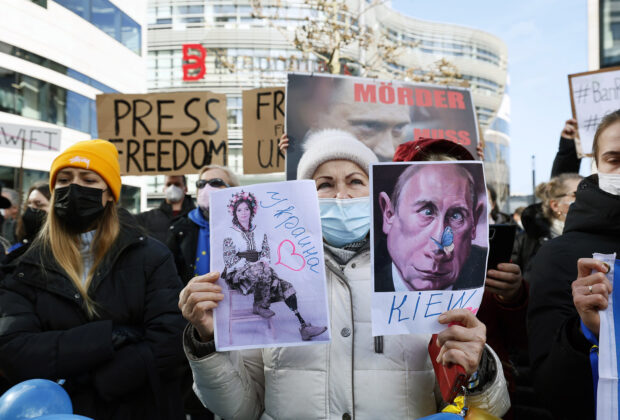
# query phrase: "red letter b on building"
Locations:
[[194, 64]]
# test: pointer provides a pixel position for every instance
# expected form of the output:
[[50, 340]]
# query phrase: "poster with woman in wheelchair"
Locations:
[[266, 242]]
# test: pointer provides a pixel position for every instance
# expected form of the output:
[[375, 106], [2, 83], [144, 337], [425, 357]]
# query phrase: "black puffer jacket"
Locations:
[[558, 351], [183, 241], [157, 222], [45, 332]]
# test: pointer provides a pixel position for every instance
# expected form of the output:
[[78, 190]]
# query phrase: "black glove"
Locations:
[[123, 335]]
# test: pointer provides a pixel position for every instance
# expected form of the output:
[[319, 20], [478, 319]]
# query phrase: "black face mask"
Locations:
[[78, 207], [33, 220]]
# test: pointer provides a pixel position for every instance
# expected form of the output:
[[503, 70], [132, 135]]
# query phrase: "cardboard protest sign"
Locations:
[[33, 137], [607, 396], [593, 95], [266, 241], [263, 125], [165, 133], [381, 114], [429, 243]]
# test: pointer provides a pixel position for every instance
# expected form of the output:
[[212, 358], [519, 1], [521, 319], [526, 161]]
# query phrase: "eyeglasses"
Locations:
[[570, 194], [215, 182]]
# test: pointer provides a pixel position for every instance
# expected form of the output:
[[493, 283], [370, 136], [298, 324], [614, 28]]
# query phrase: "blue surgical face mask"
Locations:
[[344, 221]]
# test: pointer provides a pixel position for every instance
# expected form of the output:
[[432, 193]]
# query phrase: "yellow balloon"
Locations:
[[474, 413]]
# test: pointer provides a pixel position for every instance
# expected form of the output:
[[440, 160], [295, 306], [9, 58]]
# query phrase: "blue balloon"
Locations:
[[63, 417], [442, 416], [34, 398]]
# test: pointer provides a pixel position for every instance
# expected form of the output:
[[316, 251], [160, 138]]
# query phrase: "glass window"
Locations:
[[130, 34], [106, 17], [7, 91], [111, 20], [29, 89], [78, 112], [164, 11], [224, 9], [193, 19], [33, 98], [195, 9], [130, 198], [79, 7]]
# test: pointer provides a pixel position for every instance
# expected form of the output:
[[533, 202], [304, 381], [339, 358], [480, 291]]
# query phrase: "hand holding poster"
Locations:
[[429, 243], [381, 114], [593, 95], [165, 133], [268, 247], [263, 125]]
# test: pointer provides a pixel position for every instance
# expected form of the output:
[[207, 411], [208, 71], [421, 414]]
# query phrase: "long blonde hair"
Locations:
[[64, 246]]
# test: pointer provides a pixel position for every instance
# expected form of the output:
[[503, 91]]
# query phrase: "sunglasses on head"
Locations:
[[215, 182]]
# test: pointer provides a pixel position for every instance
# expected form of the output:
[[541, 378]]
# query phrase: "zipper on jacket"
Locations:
[[340, 274]]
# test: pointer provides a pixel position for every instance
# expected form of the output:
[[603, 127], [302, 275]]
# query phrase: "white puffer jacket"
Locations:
[[341, 380]]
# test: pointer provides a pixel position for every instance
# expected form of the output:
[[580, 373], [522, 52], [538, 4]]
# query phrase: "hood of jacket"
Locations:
[[594, 210]]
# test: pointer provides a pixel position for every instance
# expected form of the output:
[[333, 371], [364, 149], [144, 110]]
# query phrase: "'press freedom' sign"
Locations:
[[172, 133], [32, 137]]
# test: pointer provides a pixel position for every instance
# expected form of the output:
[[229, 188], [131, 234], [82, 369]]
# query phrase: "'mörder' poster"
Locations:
[[266, 242], [381, 114], [429, 243]]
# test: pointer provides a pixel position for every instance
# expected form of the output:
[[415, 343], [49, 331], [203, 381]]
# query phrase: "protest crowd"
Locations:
[[118, 308]]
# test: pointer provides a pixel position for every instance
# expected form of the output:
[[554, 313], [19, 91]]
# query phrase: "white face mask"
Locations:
[[174, 194], [609, 183]]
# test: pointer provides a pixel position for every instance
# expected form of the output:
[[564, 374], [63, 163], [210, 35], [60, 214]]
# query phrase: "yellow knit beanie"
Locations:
[[99, 156]]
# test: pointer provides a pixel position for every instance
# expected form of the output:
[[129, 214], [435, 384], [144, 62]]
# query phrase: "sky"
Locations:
[[546, 40]]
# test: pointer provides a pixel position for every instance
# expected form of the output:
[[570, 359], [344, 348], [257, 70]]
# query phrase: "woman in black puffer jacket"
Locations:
[[559, 351], [93, 301]]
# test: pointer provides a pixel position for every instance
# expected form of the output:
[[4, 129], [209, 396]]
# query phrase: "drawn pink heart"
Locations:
[[295, 257]]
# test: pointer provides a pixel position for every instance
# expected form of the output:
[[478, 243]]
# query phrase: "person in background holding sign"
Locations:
[[565, 297], [566, 159], [177, 203], [93, 301], [189, 234], [356, 375]]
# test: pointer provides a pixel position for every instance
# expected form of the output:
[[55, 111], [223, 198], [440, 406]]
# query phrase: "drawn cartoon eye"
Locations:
[[457, 218], [426, 211]]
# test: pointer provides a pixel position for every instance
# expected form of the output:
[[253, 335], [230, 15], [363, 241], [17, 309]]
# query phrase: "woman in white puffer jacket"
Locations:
[[356, 375]]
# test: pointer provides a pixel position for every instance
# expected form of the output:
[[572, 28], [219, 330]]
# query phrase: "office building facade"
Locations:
[[55, 57], [243, 50]]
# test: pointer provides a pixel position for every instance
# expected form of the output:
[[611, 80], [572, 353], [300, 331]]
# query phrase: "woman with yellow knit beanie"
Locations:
[[93, 301]]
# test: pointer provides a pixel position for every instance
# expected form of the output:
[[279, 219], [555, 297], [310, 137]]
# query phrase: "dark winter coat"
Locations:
[[46, 333], [566, 160], [183, 241], [157, 222], [559, 353], [537, 231]]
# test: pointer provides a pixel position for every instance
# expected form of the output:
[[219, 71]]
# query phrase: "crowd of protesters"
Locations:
[[119, 306]]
